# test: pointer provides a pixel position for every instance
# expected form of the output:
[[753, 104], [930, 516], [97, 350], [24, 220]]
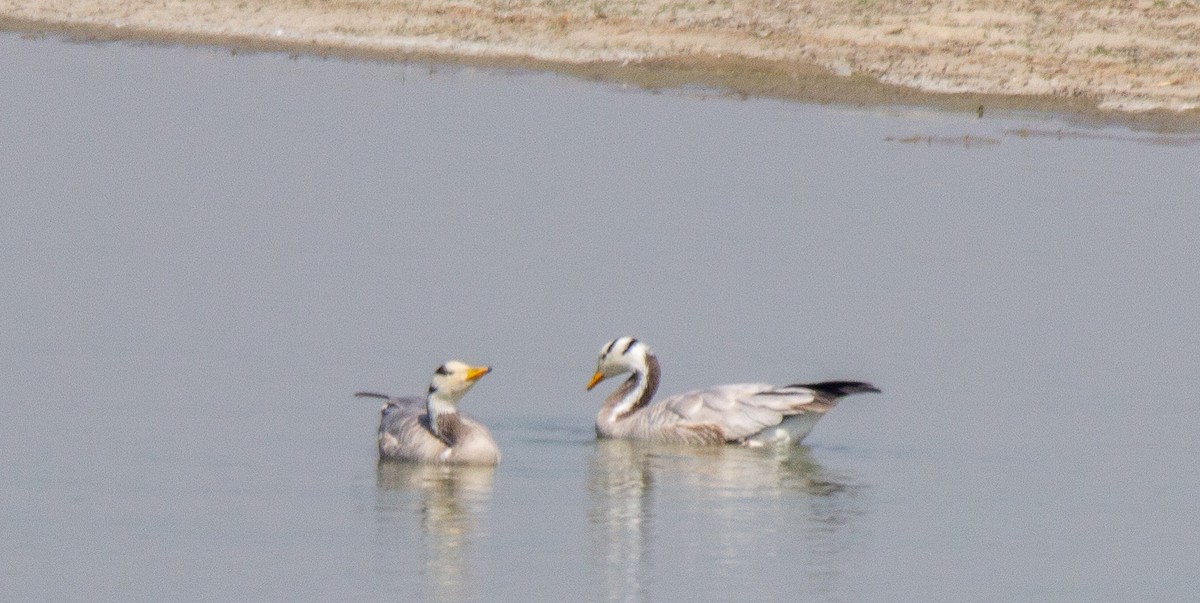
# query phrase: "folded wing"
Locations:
[[740, 410]]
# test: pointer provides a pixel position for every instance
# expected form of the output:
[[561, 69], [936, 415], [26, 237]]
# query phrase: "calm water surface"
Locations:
[[204, 255]]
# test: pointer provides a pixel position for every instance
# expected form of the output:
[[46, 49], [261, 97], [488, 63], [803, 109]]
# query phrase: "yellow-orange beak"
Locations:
[[476, 372], [597, 378]]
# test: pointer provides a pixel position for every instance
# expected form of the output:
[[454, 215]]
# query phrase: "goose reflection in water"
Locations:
[[651, 504], [450, 502]]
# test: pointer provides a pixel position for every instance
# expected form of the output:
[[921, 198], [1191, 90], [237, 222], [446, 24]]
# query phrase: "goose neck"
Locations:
[[636, 392]]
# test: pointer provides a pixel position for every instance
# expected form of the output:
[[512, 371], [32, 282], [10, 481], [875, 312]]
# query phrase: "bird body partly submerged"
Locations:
[[430, 429], [406, 434], [751, 414]]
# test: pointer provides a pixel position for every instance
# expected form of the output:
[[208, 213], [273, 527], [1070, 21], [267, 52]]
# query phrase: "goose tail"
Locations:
[[372, 395], [837, 389]]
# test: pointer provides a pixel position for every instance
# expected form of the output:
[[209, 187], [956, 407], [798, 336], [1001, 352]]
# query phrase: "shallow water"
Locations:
[[205, 255]]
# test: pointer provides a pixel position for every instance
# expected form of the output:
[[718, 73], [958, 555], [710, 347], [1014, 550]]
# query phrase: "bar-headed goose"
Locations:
[[431, 430], [751, 414]]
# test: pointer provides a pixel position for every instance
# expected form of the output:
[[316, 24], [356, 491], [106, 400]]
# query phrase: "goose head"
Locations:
[[453, 380], [621, 355]]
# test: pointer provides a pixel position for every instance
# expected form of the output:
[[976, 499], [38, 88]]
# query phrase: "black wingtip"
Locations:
[[838, 389], [372, 395]]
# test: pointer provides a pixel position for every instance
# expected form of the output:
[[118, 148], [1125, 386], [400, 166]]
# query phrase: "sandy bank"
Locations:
[[1133, 61]]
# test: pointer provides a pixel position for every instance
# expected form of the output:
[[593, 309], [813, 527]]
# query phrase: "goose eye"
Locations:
[[441, 370]]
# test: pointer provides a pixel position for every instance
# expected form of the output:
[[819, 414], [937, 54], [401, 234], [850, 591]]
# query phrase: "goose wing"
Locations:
[[402, 414], [740, 410], [404, 434], [403, 430]]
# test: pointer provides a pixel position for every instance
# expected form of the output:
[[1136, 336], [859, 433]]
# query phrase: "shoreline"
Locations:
[[710, 54]]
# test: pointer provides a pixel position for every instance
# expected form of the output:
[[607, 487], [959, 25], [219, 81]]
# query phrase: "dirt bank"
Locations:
[[1136, 62]]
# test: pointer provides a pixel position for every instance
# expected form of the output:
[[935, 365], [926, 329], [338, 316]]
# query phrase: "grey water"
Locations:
[[205, 255]]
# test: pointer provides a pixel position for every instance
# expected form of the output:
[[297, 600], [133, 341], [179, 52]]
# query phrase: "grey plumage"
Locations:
[[751, 414], [430, 429]]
